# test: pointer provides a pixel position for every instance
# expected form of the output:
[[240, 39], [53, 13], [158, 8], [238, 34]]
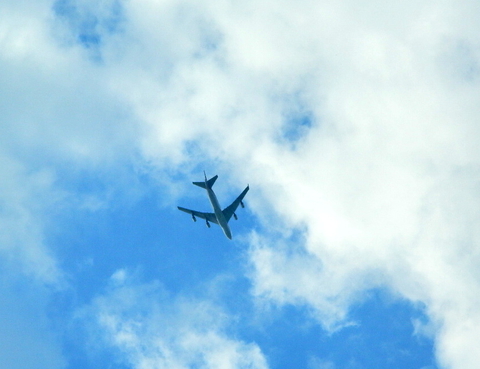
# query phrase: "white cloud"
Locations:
[[57, 117], [54, 116], [22, 196], [150, 328], [384, 182]]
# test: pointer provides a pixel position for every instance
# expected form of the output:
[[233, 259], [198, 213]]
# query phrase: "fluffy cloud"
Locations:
[[382, 176], [149, 328], [55, 117], [50, 108]]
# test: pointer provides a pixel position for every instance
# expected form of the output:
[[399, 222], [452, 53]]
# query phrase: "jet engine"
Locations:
[[242, 204], [193, 217], [235, 216], [208, 224]]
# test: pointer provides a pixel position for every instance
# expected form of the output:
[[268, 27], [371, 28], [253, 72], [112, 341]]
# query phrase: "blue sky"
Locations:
[[355, 126]]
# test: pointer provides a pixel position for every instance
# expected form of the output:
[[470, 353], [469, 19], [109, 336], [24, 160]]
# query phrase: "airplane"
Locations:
[[219, 216]]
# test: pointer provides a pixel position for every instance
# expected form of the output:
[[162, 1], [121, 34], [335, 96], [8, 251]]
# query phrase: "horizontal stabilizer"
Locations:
[[200, 184], [210, 183]]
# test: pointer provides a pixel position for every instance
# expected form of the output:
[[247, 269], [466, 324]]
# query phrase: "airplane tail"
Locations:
[[210, 183]]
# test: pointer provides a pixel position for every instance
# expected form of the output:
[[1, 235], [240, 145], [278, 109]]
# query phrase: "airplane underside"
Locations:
[[219, 216]]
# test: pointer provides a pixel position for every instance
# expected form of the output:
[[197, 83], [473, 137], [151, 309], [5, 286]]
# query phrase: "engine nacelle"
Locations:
[[208, 224], [242, 204], [235, 216], [193, 217]]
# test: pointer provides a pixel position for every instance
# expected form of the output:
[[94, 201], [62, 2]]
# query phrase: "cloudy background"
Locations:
[[356, 125]]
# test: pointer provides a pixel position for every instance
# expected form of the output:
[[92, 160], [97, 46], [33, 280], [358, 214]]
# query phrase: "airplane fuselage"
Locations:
[[222, 222], [219, 216]]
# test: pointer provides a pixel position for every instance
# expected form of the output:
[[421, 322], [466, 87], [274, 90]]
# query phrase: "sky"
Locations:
[[355, 124]]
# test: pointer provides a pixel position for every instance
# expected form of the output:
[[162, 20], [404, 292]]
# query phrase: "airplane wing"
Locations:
[[207, 216], [229, 210]]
